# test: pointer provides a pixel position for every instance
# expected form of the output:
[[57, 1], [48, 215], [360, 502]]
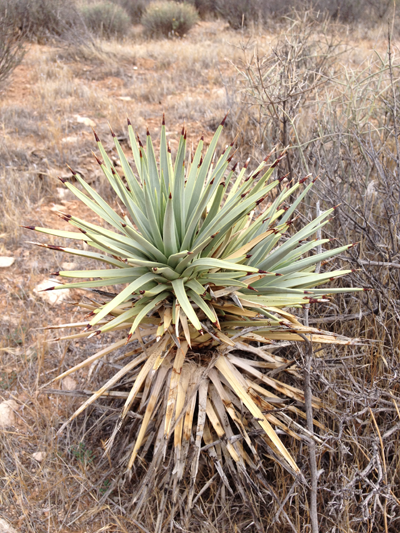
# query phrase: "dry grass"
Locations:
[[193, 81]]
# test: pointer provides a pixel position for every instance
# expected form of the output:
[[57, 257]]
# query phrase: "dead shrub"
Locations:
[[42, 20], [342, 126], [12, 48]]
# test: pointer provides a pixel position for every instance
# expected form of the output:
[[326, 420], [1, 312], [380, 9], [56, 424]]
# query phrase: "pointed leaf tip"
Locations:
[[96, 136], [111, 130], [224, 119], [29, 227], [163, 119], [71, 170], [147, 132], [283, 177], [63, 180], [128, 121], [97, 159]]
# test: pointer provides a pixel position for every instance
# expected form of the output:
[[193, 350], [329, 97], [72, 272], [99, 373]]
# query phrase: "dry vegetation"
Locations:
[[329, 92]]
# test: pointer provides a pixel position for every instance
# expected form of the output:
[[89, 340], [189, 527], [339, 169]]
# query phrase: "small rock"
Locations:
[[70, 139], [124, 98], [6, 528], [62, 192], [69, 266], [39, 456], [6, 262], [68, 384], [7, 416], [51, 297], [85, 120], [371, 189], [57, 207]]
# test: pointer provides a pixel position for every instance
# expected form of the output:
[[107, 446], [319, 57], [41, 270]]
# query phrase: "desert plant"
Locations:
[[134, 8], [106, 19], [43, 19], [169, 18], [205, 267], [12, 48]]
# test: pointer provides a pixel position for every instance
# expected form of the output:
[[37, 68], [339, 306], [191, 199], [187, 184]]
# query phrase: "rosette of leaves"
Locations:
[[204, 266]]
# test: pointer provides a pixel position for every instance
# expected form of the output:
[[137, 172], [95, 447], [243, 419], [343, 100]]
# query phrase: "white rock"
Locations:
[[6, 261], [68, 383], [70, 139], [69, 265], [51, 297], [7, 415], [39, 456], [64, 195], [57, 207], [371, 189], [62, 192], [85, 120], [124, 98], [6, 528]]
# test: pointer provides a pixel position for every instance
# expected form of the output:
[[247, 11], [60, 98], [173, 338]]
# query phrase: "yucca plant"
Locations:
[[205, 265]]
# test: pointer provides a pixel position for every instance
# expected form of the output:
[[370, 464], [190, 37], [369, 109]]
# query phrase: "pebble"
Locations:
[[7, 415]]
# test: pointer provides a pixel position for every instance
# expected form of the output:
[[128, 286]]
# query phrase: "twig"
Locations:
[[342, 318], [310, 427]]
